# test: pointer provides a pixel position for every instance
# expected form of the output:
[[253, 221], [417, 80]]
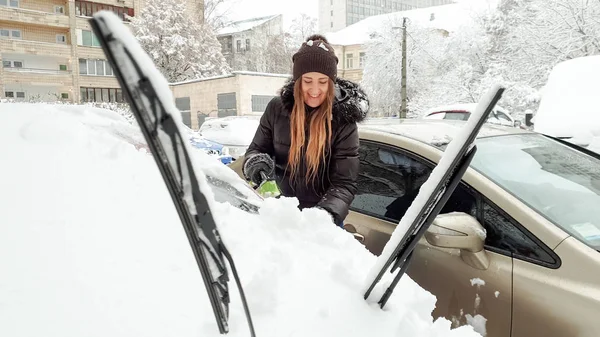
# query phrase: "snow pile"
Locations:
[[233, 130], [570, 105], [91, 244]]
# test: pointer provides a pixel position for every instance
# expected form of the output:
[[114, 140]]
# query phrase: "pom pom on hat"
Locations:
[[315, 55]]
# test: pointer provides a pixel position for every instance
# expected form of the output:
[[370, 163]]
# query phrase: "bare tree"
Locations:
[[302, 27]]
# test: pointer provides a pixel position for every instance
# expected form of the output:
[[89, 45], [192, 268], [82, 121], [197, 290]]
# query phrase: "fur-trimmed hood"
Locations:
[[351, 104]]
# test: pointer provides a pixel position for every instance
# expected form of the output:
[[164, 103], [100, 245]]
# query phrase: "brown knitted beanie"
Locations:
[[316, 55]]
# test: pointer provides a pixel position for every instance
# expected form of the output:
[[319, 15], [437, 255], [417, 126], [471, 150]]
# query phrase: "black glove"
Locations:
[[257, 164]]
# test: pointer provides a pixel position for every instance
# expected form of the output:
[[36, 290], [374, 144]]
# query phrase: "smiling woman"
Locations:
[[310, 131]]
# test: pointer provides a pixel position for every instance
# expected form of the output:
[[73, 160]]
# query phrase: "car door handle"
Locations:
[[351, 229]]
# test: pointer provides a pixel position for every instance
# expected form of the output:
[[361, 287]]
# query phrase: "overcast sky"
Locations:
[[245, 9]]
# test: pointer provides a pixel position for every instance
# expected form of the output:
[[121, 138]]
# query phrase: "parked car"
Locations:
[[210, 147], [462, 112], [234, 132], [517, 243]]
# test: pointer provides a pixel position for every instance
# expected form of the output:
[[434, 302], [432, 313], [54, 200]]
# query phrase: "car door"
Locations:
[[389, 180]]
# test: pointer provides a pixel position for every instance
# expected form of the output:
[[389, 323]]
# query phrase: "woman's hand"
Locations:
[[257, 164]]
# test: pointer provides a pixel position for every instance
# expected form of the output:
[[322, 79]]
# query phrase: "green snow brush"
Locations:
[[268, 188]]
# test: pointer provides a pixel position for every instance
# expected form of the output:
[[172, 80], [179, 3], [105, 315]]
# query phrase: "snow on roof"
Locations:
[[233, 73], [446, 17], [244, 25], [433, 132]]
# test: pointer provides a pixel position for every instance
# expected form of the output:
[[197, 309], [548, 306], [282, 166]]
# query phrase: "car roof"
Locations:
[[458, 107], [436, 133]]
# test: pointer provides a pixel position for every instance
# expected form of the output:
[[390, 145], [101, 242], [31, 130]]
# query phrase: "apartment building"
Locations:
[[239, 39], [335, 15], [49, 52]]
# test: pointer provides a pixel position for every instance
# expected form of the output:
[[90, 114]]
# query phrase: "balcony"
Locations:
[[35, 47], [37, 77], [27, 16]]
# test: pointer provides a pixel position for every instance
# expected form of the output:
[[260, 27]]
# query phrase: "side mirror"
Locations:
[[518, 124], [459, 230]]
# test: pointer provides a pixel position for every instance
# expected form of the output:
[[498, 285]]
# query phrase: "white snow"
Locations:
[[478, 322], [477, 281], [244, 25], [232, 130], [446, 17], [425, 191], [90, 244], [496, 293], [570, 105]]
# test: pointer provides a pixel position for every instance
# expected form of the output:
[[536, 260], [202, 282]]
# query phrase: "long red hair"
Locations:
[[319, 133]]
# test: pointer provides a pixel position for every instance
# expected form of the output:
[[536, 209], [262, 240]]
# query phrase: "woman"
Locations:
[[307, 138]]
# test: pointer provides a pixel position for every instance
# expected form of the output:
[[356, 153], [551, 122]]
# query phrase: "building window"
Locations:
[[95, 67], [183, 105], [247, 44], [226, 104], [349, 61], [87, 8], [61, 38], [259, 102], [62, 67], [10, 33], [59, 9], [64, 95], [331, 14], [238, 45], [10, 3], [12, 64], [331, 25], [361, 60], [18, 95], [101, 95], [87, 38]]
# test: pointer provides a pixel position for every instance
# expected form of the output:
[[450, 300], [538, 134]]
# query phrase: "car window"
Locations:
[[557, 181], [389, 180], [457, 115], [504, 236]]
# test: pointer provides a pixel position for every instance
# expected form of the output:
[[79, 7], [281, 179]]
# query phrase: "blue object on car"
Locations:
[[212, 148]]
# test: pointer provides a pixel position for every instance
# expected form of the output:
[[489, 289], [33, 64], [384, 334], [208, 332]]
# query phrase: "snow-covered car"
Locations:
[[234, 132], [462, 112], [210, 147], [104, 253], [570, 104], [528, 260]]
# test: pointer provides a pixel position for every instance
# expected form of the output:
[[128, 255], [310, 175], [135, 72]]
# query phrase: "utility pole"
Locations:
[[403, 88]]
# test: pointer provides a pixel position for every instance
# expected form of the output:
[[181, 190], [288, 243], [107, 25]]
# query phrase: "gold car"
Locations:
[[515, 250]]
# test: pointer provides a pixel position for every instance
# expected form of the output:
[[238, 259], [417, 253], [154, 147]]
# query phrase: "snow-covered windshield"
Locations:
[[555, 180]]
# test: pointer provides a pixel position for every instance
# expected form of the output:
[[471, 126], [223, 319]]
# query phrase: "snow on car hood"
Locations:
[[91, 245]]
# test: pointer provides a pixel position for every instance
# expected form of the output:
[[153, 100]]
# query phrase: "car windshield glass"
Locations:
[[223, 191], [554, 179]]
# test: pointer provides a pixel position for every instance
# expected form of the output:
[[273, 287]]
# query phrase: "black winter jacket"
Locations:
[[336, 190]]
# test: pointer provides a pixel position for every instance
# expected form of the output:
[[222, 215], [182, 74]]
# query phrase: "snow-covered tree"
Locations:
[[529, 37], [181, 47], [383, 65]]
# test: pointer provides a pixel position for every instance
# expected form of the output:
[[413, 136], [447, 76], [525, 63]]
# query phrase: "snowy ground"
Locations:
[[90, 244]]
